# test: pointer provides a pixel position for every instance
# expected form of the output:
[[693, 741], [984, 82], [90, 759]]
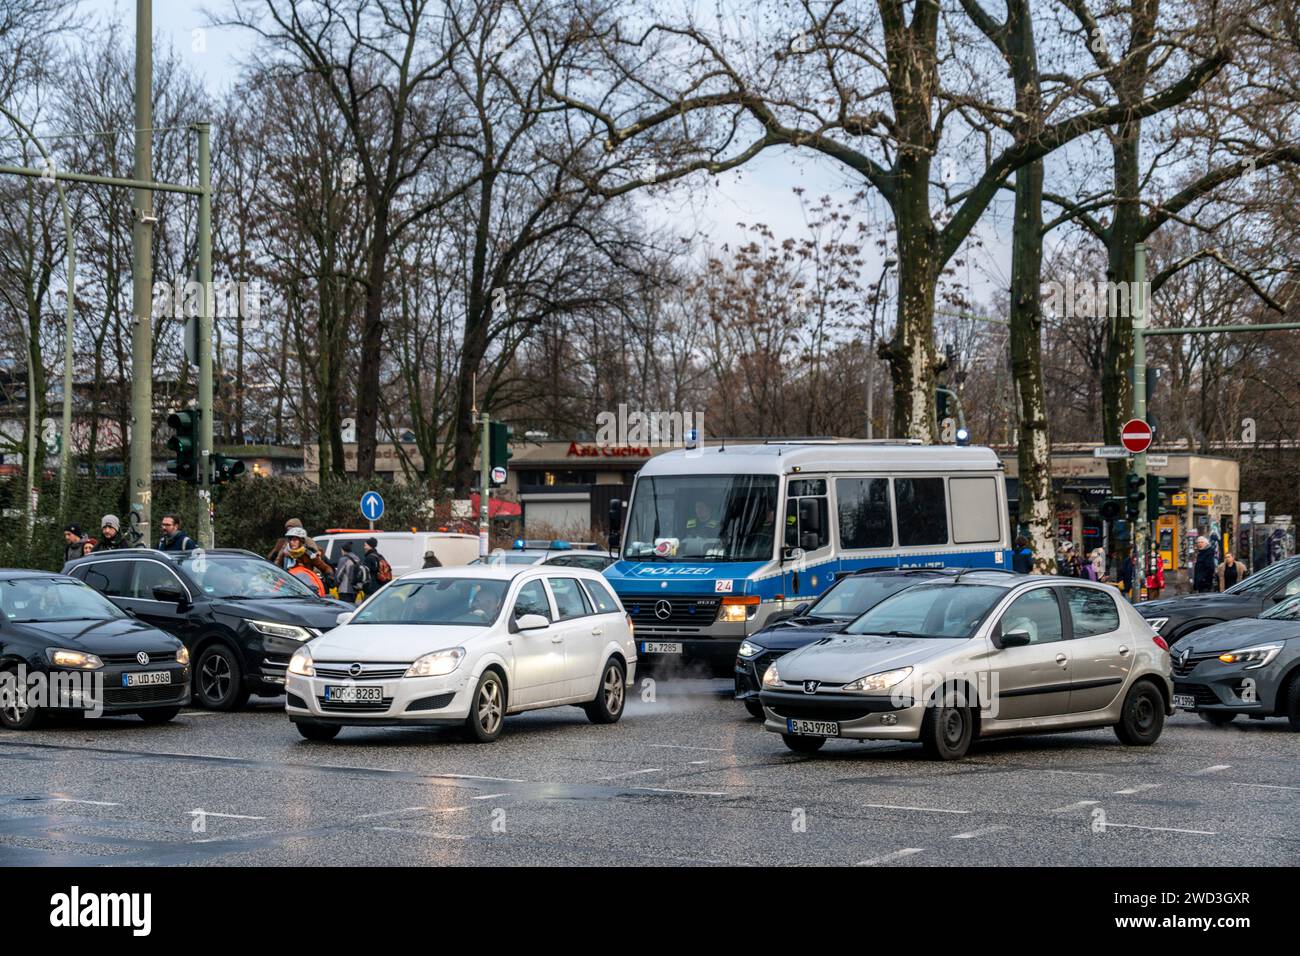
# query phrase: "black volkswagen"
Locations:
[[65, 649], [241, 617]]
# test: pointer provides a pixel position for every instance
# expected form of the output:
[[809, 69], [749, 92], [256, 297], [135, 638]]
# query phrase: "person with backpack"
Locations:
[[1022, 559], [381, 572], [352, 574], [304, 562]]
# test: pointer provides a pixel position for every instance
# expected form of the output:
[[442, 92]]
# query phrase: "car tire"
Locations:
[[803, 745], [611, 695], [321, 733], [1293, 703], [487, 709], [219, 679], [1219, 718], [1142, 717], [14, 712], [947, 731], [159, 715], [755, 709]]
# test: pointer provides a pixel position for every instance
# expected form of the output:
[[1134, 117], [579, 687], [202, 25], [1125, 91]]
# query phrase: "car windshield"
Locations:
[[930, 610], [597, 562], [703, 518], [472, 601], [237, 578], [28, 600], [1288, 610], [853, 595], [1266, 579]]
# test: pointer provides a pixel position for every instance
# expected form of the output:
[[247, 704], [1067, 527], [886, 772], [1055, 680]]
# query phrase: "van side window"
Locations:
[[975, 512], [922, 511], [865, 520], [807, 514]]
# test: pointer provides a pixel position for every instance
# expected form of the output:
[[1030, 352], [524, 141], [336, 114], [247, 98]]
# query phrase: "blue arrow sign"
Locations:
[[372, 506]]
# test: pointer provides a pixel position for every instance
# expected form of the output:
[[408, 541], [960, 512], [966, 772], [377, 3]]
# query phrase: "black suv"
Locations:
[[241, 617], [1175, 618], [851, 596]]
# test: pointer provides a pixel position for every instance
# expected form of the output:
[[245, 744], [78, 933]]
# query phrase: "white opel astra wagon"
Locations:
[[466, 647]]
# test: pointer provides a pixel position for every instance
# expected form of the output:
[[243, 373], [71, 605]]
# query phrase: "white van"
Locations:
[[404, 550]]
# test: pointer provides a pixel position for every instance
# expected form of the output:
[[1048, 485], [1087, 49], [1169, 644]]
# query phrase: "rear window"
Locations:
[[600, 596], [1091, 611], [570, 602]]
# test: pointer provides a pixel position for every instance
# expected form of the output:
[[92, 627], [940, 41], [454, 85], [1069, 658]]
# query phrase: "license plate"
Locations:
[[348, 694], [812, 728], [146, 679], [1185, 701], [659, 647]]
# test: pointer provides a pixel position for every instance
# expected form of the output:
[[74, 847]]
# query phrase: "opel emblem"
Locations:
[[142, 658], [663, 610], [355, 670], [810, 686]]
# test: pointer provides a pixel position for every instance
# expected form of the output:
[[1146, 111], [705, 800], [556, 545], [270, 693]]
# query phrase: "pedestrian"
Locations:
[[431, 560], [110, 534], [88, 547], [1231, 571], [1022, 559], [350, 573], [1128, 575], [1204, 575], [380, 571], [173, 538], [1071, 566], [298, 559], [1156, 580], [72, 539], [274, 555]]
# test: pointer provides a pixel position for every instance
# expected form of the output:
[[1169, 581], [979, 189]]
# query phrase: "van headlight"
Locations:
[[437, 664], [77, 660], [749, 649], [301, 663], [875, 683], [1252, 657]]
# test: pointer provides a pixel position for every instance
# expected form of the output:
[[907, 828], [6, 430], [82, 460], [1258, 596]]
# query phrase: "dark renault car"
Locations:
[[1175, 618], [65, 649], [848, 598], [241, 617]]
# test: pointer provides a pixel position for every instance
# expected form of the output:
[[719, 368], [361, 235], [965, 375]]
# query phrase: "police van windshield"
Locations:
[[703, 518]]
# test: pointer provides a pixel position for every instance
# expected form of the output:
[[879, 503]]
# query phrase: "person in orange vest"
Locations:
[[298, 559]]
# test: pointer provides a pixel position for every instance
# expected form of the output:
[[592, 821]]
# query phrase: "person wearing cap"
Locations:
[[72, 539], [274, 554], [306, 562], [431, 561], [110, 534], [371, 561]]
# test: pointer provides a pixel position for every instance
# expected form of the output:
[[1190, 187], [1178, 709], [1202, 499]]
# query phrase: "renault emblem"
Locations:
[[1182, 658]]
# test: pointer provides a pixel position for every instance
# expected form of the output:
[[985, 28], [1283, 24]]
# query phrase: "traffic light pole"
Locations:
[[141, 458], [1140, 530], [485, 485], [205, 337]]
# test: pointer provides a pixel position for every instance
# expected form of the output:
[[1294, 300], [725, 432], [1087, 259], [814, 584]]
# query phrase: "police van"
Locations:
[[716, 539]]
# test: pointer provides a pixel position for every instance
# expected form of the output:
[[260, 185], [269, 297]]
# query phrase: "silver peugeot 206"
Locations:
[[981, 654]]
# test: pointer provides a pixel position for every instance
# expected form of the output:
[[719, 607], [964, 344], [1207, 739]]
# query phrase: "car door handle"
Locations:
[[596, 632], [1123, 650], [557, 639], [1061, 659]]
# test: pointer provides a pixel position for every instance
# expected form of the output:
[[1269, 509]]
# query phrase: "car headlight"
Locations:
[[437, 664], [1252, 657], [875, 683], [301, 663], [1157, 623], [78, 660], [749, 649], [290, 632], [771, 677], [183, 655]]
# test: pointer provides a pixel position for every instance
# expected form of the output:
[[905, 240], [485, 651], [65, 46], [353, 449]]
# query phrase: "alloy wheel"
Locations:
[[489, 707], [613, 689], [215, 677]]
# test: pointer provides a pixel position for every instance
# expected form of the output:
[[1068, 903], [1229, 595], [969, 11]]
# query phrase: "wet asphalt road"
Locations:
[[685, 779]]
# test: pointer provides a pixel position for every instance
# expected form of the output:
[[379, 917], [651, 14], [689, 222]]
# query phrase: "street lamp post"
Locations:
[[871, 351]]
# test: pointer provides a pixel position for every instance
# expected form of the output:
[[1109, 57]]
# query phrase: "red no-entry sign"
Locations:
[[1136, 436]]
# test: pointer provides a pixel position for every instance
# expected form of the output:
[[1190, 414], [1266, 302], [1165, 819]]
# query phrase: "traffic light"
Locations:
[[1155, 497], [1112, 509], [184, 442], [1133, 485], [941, 410], [225, 469], [499, 453]]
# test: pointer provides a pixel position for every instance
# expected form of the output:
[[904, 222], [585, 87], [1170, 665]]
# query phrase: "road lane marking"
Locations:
[[697, 763], [633, 773], [979, 833], [890, 857], [721, 750], [689, 793], [1265, 786], [1134, 826], [490, 796], [1215, 769], [470, 776], [421, 833], [93, 803], [1074, 806], [389, 813], [894, 806], [223, 816], [1140, 788]]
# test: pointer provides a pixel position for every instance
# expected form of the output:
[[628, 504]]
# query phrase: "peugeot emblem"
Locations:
[[355, 670], [663, 610], [810, 686], [142, 658]]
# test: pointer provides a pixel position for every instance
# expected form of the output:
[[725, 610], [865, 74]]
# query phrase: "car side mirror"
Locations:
[[792, 554], [171, 596], [343, 618], [801, 609], [531, 622], [1014, 639]]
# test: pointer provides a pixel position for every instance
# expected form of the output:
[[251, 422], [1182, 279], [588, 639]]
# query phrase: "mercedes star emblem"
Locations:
[[663, 610]]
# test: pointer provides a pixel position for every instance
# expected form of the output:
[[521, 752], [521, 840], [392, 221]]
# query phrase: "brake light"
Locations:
[[1160, 642]]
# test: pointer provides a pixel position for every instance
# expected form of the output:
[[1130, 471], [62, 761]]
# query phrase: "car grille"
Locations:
[[813, 712], [160, 657], [762, 662], [683, 611], [365, 707], [1182, 670], [368, 671], [155, 694], [1200, 692]]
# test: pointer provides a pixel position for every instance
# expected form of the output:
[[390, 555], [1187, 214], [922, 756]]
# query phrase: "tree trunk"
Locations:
[[372, 339], [1122, 240]]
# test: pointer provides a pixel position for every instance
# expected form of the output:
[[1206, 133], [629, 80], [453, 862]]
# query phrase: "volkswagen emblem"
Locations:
[[142, 658], [663, 610], [355, 670], [810, 686]]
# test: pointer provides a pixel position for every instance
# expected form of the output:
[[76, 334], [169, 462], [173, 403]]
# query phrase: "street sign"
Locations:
[[1157, 461], [1179, 500], [1110, 451], [1136, 436], [498, 475], [372, 506]]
